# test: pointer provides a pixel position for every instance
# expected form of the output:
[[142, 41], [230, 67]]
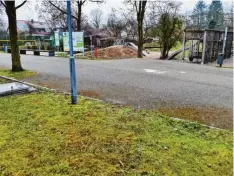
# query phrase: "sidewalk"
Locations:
[[226, 63]]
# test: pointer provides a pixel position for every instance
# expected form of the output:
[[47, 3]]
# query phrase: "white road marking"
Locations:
[[154, 71], [150, 71], [182, 72]]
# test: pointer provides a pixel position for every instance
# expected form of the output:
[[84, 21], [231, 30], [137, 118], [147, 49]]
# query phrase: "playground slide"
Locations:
[[176, 53], [136, 48]]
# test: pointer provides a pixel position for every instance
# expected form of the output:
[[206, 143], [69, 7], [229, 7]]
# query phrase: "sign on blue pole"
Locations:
[[78, 41], [71, 60]]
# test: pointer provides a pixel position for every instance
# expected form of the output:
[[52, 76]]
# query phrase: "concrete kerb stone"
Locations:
[[94, 99], [48, 89]]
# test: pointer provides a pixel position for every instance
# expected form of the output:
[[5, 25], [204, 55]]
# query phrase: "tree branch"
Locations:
[[64, 12], [143, 8], [3, 3], [82, 3], [135, 4], [20, 5], [57, 8], [58, 16]]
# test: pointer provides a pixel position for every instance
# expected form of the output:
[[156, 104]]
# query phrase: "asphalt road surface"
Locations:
[[137, 82]]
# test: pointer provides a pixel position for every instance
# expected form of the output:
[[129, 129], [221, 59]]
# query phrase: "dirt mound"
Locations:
[[117, 52]]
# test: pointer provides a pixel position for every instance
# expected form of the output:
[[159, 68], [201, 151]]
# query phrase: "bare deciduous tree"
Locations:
[[229, 16], [114, 25], [150, 19], [128, 18], [140, 7], [56, 19], [11, 8], [56, 11], [130, 28], [96, 16]]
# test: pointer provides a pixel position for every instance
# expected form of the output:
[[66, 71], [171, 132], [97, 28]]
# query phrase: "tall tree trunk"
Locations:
[[140, 16], [15, 55], [163, 53], [140, 41], [79, 15], [167, 52]]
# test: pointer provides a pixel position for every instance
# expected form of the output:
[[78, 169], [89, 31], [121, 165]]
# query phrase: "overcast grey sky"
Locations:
[[28, 11]]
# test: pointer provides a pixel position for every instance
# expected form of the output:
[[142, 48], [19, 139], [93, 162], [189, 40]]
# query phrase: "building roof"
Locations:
[[31, 26], [39, 25], [101, 33]]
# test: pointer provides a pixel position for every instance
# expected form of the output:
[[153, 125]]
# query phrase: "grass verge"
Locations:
[[3, 81], [224, 67], [83, 57], [205, 115], [17, 75], [62, 54], [92, 58], [45, 135], [154, 49]]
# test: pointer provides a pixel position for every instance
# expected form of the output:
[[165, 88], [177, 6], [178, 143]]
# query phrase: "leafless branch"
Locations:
[[3, 3], [64, 12], [20, 5]]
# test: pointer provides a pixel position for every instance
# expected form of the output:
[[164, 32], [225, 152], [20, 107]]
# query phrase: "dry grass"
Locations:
[[218, 117], [90, 93], [49, 85]]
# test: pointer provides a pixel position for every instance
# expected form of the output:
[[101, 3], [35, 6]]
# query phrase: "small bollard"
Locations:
[[220, 60]]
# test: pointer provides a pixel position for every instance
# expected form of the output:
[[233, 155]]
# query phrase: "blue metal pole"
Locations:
[[72, 61]]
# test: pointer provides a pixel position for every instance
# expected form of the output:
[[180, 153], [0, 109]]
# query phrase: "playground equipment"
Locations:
[[135, 47], [205, 45], [209, 43]]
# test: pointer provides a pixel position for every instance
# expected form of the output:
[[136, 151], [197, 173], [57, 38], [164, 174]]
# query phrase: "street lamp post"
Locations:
[[71, 60]]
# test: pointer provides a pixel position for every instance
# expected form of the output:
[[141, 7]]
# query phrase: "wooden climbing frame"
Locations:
[[207, 44]]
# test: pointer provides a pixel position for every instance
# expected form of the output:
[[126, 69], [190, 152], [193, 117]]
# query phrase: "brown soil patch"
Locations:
[[217, 117], [116, 52], [49, 85], [90, 93]]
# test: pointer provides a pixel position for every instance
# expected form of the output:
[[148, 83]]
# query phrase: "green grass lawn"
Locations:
[[154, 49], [62, 54], [17, 75], [43, 134], [178, 46], [3, 81]]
